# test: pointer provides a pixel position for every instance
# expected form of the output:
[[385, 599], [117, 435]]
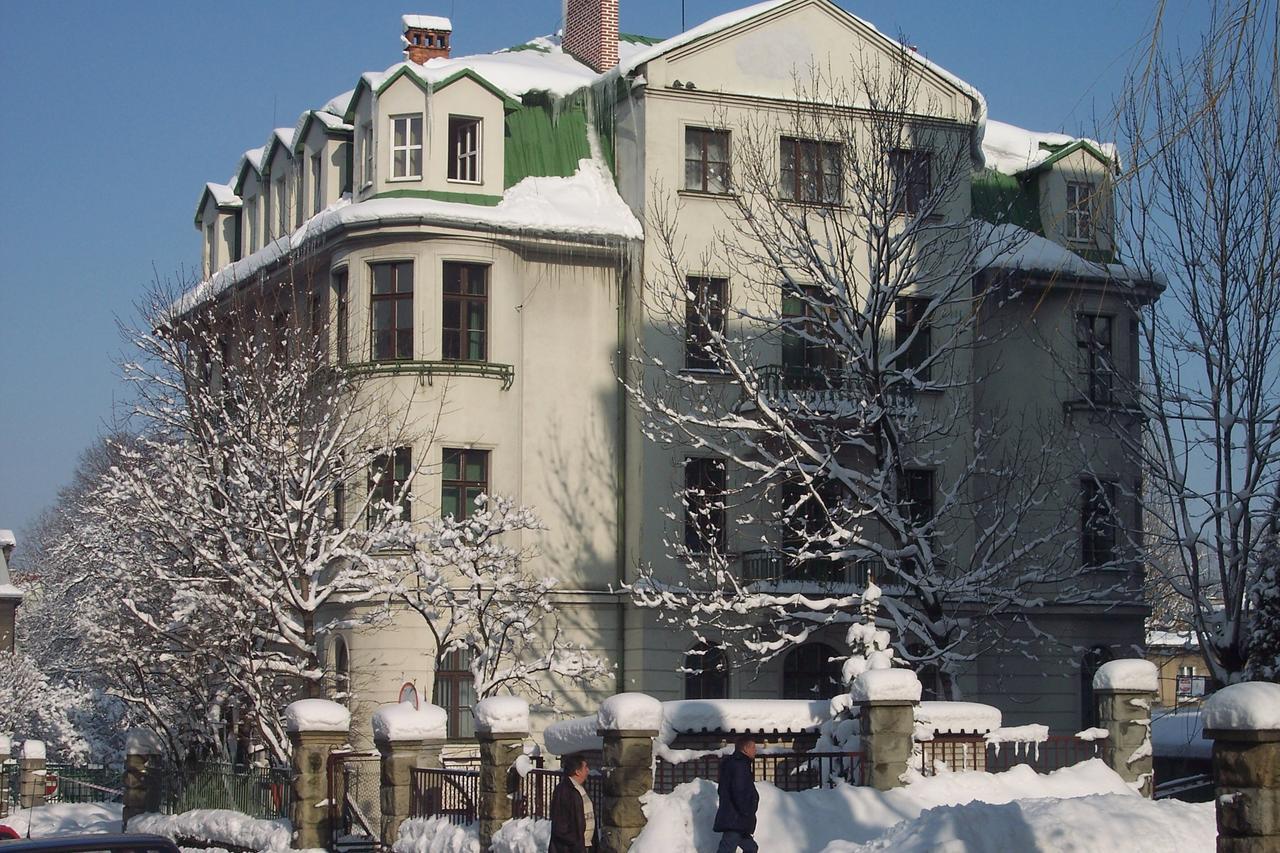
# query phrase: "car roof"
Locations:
[[100, 841]]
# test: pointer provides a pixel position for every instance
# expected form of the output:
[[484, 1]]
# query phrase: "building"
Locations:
[[10, 595], [476, 227], [1184, 675]]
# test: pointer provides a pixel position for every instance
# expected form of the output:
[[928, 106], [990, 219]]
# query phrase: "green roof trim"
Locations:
[[633, 38], [507, 101], [438, 195], [999, 198], [402, 71], [1061, 151], [528, 46]]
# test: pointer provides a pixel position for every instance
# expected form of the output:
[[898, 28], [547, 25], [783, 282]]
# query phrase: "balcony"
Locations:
[[773, 566], [827, 390], [505, 373]]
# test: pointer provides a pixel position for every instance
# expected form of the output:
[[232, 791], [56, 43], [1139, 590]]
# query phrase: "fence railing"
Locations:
[[789, 771], [68, 784], [972, 752], [8, 787], [535, 789], [451, 794], [264, 792]]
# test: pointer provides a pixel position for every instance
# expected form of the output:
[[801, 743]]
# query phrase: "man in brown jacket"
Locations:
[[573, 818]]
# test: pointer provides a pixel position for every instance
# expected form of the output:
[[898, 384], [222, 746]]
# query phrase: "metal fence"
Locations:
[[789, 771], [535, 789], [355, 795], [67, 784], [264, 792], [451, 794], [8, 787], [972, 752]]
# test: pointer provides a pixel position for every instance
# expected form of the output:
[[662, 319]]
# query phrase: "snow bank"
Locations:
[[634, 711], [1096, 824], [886, 685], [680, 822], [32, 749], [957, 717], [437, 835], [745, 715], [1131, 674], [218, 826], [1093, 734], [1250, 705], [523, 835], [65, 819], [1180, 734], [402, 721], [502, 714], [141, 741], [579, 734], [317, 715]]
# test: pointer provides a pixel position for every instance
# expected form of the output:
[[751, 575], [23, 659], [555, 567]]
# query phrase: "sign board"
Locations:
[[409, 693]]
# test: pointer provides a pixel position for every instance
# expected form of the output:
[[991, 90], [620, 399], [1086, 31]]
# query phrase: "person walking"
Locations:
[[736, 814], [573, 818]]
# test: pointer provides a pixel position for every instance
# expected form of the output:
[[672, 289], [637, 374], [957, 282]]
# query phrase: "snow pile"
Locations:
[[1129, 674], [1249, 705], [1180, 734], [402, 721], [140, 741], [316, 715], [65, 819], [32, 749], [437, 835], [217, 826], [523, 835], [1012, 248], [630, 711], [886, 685], [957, 717], [746, 715], [1011, 149], [502, 715], [680, 822], [1093, 734], [578, 734]]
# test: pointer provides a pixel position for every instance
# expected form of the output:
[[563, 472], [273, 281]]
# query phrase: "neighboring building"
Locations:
[[1184, 675], [473, 228], [10, 595]]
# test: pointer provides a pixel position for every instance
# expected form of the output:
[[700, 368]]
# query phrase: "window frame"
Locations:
[[461, 334], [342, 313], [281, 188], [908, 162], [251, 217], [797, 672], [475, 157], [819, 363], [317, 170], [704, 162], [709, 506], [408, 148], [396, 297], [367, 157], [1097, 357], [386, 490], [704, 313], [462, 484], [1080, 211], [452, 674], [820, 147], [706, 683], [1099, 537], [210, 248], [909, 315]]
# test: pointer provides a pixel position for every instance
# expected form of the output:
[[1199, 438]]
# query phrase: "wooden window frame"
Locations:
[[704, 314], [446, 692], [1097, 356], [455, 341], [912, 172], [705, 518], [712, 679], [411, 146], [461, 485], [463, 163], [702, 136], [342, 311], [908, 317], [401, 301], [799, 671], [1080, 203], [390, 489], [794, 192]]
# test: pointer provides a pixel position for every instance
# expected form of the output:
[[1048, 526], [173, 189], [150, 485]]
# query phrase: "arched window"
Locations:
[[1089, 665], [455, 691], [808, 672], [706, 672], [341, 670]]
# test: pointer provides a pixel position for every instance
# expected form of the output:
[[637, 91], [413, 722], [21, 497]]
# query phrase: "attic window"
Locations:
[[406, 146], [1080, 211], [464, 149]]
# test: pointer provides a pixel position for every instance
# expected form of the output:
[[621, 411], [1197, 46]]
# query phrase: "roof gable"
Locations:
[[281, 140], [223, 197], [508, 102]]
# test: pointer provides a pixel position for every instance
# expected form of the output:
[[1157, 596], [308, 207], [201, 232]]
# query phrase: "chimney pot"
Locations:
[[426, 37]]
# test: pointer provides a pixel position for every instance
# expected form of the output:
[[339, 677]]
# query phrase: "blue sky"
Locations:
[[119, 112]]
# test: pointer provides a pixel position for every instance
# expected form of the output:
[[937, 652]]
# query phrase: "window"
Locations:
[[299, 193], [282, 207], [909, 318], [455, 692], [1097, 522], [706, 160], [912, 179], [210, 251], [811, 171], [706, 672], [317, 197], [388, 477], [915, 494], [1089, 666], [703, 318], [1093, 340], [1135, 350], [267, 192], [406, 146], [392, 309], [340, 320], [704, 517], [341, 670], [339, 505], [318, 319], [251, 219], [280, 336], [808, 361], [808, 515], [465, 475], [464, 149], [465, 310], [810, 672], [345, 166], [1080, 211], [366, 151]]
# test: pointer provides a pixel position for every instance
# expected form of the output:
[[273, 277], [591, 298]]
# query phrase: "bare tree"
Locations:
[[1201, 204], [832, 395]]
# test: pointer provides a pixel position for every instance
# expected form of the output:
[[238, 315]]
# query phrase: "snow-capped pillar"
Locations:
[[502, 724], [886, 700], [407, 738], [1125, 690], [31, 774], [316, 728], [143, 752], [628, 723], [1244, 722]]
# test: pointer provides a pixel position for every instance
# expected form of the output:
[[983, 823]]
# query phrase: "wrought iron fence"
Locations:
[[535, 789], [67, 784], [972, 752], [796, 771], [264, 792], [451, 794]]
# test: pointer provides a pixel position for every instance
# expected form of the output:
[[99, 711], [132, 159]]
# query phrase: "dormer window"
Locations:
[[406, 147], [1080, 211], [317, 197], [210, 251], [282, 207], [464, 149], [366, 153]]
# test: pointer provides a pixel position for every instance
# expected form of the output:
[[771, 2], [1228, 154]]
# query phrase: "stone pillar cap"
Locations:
[[1248, 706], [638, 712], [403, 722], [317, 715], [897, 686], [499, 715]]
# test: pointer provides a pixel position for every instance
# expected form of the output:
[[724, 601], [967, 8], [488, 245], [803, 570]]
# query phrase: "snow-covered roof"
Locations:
[[7, 538], [337, 105], [1010, 247], [331, 121], [426, 22], [706, 28], [224, 195], [1172, 639], [1013, 150]]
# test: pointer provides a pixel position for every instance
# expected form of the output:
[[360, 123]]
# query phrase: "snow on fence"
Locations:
[[1043, 753], [789, 771], [259, 792], [453, 795], [65, 783]]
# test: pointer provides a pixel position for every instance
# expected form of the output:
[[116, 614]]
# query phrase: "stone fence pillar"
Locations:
[[886, 700], [407, 738], [502, 724], [31, 774], [1244, 722], [628, 724], [1125, 690], [316, 728], [143, 754]]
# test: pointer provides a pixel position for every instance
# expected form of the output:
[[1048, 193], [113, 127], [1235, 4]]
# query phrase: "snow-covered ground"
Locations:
[[210, 826], [65, 819]]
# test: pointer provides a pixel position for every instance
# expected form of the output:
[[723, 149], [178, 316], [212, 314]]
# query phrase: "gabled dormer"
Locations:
[[279, 211], [322, 152], [218, 221], [249, 186]]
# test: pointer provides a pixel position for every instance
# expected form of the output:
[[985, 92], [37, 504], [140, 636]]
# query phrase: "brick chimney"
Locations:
[[591, 32], [426, 37]]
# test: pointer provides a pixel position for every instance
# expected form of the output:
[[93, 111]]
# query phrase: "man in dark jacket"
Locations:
[[573, 819], [736, 816]]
